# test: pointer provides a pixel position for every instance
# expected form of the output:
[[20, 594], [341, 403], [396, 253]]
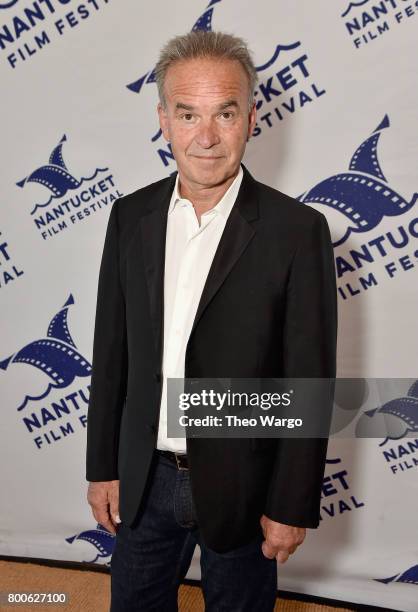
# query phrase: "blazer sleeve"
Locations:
[[309, 351], [109, 366]]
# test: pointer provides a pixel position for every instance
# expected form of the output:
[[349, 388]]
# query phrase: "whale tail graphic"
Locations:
[[393, 419], [55, 355], [102, 540], [55, 175], [361, 194]]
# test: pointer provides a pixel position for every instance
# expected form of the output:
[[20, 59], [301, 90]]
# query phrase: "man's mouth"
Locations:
[[209, 157]]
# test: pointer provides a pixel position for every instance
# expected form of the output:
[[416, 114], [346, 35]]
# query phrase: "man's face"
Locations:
[[207, 120]]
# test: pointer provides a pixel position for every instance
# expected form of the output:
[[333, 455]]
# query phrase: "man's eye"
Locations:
[[187, 117], [227, 115]]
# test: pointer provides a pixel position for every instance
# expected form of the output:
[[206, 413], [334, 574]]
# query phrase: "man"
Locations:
[[207, 273]]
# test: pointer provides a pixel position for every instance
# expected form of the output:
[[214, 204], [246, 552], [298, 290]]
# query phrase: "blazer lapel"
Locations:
[[237, 234]]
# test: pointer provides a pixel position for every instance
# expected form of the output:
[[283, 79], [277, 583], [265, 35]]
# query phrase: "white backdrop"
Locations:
[[337, 128]]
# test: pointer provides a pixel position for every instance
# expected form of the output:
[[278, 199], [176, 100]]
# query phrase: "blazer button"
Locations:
[[157, 377], [152, 428]]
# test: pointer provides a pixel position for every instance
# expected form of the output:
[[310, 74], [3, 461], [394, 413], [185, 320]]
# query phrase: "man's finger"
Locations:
[[114, 507], [268, 551], [282, 556], [104, 519], [116, 517], [114, 512]]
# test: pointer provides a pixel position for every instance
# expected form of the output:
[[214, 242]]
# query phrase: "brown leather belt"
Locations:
[[180, 460]]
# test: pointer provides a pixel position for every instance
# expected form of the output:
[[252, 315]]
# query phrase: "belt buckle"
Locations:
[[178, 460]]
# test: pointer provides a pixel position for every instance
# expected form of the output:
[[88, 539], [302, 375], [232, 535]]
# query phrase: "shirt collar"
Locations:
[[225, 204]]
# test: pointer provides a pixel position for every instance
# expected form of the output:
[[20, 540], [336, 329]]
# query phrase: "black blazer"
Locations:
[[268, 309]]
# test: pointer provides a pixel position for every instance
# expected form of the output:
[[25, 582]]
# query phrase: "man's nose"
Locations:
[[207, 135]]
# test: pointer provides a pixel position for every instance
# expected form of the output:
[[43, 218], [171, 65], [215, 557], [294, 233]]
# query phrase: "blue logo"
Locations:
[[361, 194], [54, 175], [394, 418], [102, 540], [366, 21], [392, 421], [71, 199], [358, 201], [38, 25], [55, 355]]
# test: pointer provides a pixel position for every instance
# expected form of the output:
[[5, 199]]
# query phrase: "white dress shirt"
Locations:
[[190, 249]]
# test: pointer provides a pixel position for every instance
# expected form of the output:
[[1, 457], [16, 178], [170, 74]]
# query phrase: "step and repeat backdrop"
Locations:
[[337, 129]]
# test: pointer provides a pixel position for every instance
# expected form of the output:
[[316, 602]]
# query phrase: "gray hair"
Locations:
[[203, 44]]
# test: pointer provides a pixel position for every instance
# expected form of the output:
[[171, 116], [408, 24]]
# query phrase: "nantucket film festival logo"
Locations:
[[9, 269], [286, 86], [99, 540], [71, 199], [337, 496], [365, 21], [369, 247], [395, 419], [27, 28], [61, 407]]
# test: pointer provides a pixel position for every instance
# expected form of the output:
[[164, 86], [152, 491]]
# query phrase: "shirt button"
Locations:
[[157, 377]]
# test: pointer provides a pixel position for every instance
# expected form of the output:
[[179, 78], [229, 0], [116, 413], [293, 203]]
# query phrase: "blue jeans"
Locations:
[[151, 558]]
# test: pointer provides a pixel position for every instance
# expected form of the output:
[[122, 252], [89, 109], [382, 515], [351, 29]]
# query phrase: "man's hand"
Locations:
[[103, 498], [280, 540]]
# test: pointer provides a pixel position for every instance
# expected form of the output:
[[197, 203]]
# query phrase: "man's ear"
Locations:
[[163, 119]]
